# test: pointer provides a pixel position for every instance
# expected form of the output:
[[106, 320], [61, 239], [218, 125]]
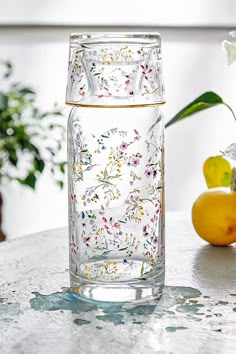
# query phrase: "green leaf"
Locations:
[[12, 157], [52, 152], [43, 115], [53, 113], [62, 167], [3, 102], [60, 184], [8, 66], [23, 132], [26, 91], [39, 164], [204, 101], [59, 127], [29, 181]]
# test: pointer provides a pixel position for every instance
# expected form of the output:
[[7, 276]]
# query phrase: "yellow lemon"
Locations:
[[214, 216], [217, 172]]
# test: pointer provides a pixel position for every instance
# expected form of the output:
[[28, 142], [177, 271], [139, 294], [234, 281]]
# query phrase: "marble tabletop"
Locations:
[[196, 314]]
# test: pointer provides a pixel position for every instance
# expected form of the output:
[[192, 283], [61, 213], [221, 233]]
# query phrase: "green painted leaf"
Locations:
[[204, 101], [123, 249], [106, 252]]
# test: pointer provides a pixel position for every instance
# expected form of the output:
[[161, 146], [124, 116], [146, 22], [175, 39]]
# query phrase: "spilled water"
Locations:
[[117, 312], [10, 309], [174, 329]]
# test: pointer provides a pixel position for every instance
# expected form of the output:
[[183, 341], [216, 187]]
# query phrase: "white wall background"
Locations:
[[122, 12], [193, 61]]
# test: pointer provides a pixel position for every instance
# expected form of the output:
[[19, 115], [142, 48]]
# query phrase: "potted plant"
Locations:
[[30, 139]]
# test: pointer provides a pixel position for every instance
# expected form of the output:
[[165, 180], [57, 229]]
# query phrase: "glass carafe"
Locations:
[[116, 166]]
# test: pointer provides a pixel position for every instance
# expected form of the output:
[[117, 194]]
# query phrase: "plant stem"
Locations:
[[230, 110]]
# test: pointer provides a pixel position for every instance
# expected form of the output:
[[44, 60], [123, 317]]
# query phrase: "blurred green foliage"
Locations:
[[30, 140]]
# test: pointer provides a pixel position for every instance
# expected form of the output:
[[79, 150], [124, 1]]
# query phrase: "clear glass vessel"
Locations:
[[116, 166]]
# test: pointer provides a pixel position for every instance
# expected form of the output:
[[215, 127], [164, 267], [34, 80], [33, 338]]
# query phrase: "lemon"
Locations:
[[217, 172], [214, 216]]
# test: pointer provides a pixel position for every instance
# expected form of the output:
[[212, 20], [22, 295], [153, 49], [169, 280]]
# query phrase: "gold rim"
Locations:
[[114, 105]]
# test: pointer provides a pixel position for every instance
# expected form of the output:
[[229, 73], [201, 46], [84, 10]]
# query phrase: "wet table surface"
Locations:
[[197, 312]]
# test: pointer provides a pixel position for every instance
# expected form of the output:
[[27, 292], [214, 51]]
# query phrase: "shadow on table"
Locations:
[[215, 266]]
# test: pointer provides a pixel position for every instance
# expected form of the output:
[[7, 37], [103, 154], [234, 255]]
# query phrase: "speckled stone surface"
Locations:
[[197, 312]]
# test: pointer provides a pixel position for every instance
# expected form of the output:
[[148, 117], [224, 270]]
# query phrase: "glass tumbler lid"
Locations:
[[115, 69]]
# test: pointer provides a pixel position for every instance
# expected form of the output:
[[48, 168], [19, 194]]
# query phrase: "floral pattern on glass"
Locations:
[[104, 235], [139, 75]]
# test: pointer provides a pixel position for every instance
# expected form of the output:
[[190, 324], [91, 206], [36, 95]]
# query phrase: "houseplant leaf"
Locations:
[[25, 136], [29, 181], [206, 100]]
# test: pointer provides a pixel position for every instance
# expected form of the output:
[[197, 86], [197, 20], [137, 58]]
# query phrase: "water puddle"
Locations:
[[116, 312]]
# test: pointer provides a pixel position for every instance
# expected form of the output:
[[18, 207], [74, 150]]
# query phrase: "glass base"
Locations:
[[141, 290]]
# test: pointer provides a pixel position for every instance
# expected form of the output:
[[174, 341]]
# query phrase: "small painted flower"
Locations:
[[123, 146], [135, 162], [147, 173], [155, 240], [154, 173]]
